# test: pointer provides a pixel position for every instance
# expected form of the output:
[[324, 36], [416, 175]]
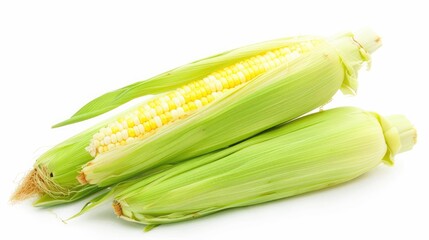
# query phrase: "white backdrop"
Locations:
[[57, 55]]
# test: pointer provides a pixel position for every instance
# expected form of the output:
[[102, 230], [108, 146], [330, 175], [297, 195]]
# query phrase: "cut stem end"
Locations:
[[82, 178], [368, 39], [407, 132], [117, 208]]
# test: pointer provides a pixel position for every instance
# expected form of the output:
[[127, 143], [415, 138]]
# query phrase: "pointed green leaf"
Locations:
[[93, 203]]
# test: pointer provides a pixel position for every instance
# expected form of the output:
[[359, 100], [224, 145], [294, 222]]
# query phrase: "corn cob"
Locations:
[[311, 153], [190, 94], [166, 108], [249, 101]]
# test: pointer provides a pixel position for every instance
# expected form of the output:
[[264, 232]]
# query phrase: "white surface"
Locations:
[[57, 55]]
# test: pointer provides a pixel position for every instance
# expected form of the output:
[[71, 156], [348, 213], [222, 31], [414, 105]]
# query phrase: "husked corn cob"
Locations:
[[173, 105], [251, 96], [307, 154], [197, 108]]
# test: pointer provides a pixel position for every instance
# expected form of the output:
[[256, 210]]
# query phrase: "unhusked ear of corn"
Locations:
[[198, 108], [314, 152], [227, 106]]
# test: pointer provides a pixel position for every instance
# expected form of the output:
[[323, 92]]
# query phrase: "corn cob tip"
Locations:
[[367, 39], [406, 131], [117, 208], [27, 188], [82, 178]]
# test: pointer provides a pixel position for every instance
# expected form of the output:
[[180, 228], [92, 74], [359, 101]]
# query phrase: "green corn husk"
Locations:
[[53, 178], [278, 96], [314, 152]]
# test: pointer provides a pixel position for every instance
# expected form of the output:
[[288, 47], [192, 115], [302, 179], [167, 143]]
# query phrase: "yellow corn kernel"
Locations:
[[224, 83], [192, 106], [186, 108], [204, 101], [171, 105], [163, 119], [168, 116], [130, 122], [147, 127], [115, 129], [152, 124], [210, 98], [142, 117], [159, 110], [131, 132], [187, 97], [217, 75], [151, 104]]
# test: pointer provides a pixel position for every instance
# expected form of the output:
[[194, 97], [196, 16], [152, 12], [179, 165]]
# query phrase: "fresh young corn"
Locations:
[[199, 108], [314, 152], [226, 106], [173, 105]]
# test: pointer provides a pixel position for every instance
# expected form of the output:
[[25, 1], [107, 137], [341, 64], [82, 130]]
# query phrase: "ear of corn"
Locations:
[[172, 105], [287, 91], [314, 152], [316, 67]]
